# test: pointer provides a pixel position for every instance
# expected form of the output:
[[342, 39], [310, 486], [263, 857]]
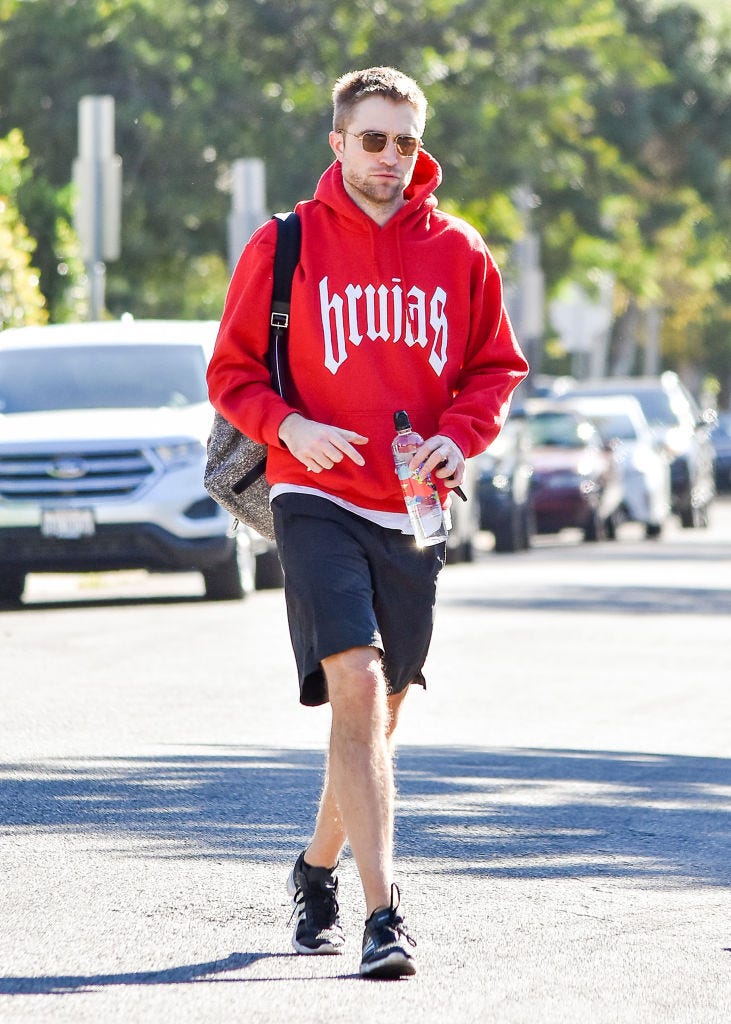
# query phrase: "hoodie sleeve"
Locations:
[[239, 384], [493, 365]]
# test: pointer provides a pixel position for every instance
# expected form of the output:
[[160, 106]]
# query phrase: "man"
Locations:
[[395, 305]]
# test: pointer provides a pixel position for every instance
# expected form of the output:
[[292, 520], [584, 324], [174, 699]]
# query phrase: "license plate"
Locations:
[[67, 523]]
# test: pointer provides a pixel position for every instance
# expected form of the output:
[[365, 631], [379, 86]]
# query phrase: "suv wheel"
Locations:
[[12, 585], [509, 536], [233, 579], [595, 528], [694, 517]]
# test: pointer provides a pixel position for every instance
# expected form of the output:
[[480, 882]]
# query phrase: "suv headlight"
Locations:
[[179, 454]]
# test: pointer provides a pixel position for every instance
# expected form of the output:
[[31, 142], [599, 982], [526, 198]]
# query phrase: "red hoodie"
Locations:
[[405, 316]]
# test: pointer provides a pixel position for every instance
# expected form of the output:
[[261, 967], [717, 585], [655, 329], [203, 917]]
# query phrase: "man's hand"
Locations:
[[318, 445], [441, 457]]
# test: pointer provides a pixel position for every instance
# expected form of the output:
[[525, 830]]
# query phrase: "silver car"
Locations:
[[102, 446]]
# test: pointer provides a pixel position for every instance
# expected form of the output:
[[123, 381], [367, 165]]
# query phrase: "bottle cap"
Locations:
[[401, 420]]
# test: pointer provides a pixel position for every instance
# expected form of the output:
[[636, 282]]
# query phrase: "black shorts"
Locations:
[[351, 583]]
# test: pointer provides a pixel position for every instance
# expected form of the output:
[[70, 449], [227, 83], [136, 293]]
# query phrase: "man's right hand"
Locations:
[[319, 445]]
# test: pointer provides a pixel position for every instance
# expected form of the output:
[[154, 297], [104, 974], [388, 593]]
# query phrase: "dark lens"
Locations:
[[406, 145], [374, 142]]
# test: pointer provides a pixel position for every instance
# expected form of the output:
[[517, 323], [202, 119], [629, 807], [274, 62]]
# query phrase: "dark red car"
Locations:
[[575, 482]]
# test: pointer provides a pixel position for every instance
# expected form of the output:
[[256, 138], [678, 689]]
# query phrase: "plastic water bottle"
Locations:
[[420, 492]]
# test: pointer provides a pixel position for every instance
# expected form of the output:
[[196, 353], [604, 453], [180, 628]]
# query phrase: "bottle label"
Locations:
[[420, 492], [422, 500]]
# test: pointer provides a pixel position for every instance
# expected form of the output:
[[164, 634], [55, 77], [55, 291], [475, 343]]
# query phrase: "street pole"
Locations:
[[97, 176], [525, 298], [653, 325], [248, 204]]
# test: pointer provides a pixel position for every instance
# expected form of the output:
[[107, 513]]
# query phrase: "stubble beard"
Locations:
[[382, 194]]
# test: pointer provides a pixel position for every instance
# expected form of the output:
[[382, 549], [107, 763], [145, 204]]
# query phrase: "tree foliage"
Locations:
[[612, 114], [21, 300]]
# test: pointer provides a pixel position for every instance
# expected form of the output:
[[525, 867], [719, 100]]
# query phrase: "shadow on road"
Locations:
[[656, 819], [651, 818], [187, 974], [617, 600]]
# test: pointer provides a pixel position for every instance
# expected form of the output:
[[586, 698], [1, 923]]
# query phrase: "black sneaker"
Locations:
[[313, 891], [385, 941]]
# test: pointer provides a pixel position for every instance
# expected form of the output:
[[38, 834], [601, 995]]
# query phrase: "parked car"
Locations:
[[678, 423], [641, 460], [575, 482], [721, 441], [102, 446], [504, 488]]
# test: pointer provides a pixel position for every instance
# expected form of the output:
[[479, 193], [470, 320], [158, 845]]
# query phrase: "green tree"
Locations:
[[558, 98], [676, 135], [21, 300]]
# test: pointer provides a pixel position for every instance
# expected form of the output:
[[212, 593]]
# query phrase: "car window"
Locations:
[[657, 408], [561, 430], [101, 376], [614, 426]]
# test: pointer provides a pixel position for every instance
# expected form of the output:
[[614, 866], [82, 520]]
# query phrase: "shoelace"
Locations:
[[323, 903], [399, 926], [396, 922]]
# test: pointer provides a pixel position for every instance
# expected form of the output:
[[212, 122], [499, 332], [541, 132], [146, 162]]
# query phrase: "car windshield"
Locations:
[[656, 404], [560, 429], [614, 426], [658, 408], [101, 377]]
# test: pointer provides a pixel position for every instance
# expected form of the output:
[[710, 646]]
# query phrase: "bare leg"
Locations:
[[358, 796], [330, 837]]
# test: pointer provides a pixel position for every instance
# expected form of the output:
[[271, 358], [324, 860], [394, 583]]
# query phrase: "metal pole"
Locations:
[[653, 322], [248, 204], [97, 175]]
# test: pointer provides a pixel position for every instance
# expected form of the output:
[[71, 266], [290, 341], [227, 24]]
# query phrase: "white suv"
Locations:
[[102, 447]]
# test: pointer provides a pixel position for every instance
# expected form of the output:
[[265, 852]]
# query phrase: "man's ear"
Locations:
[[336, 144]]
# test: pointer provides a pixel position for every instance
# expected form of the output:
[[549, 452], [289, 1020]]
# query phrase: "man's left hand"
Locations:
[[441, 457]]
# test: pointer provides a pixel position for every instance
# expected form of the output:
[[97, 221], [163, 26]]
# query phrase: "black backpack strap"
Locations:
[[286, 258]]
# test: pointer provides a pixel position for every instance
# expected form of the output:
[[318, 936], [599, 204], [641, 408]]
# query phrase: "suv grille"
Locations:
[[63, 476]]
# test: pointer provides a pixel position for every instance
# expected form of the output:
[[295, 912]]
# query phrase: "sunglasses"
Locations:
[[376, 142]]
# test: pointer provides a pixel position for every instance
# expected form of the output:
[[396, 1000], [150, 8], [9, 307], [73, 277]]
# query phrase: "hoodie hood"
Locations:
[[419, 197], [412, 217]]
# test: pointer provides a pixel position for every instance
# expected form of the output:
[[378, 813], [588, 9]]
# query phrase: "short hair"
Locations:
[[355, 86]]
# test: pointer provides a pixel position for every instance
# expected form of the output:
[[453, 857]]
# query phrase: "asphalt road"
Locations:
[[564, 798]]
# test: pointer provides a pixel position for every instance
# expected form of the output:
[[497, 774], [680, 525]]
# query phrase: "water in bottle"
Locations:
[[420, 492]]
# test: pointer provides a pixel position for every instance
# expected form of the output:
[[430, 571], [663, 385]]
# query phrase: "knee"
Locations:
[[357, 687]]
